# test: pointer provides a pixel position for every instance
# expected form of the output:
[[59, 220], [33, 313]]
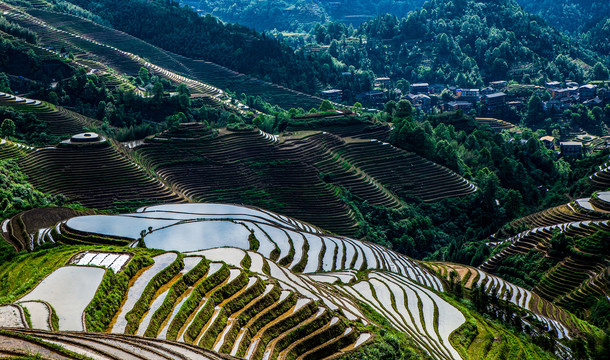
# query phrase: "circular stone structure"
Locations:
[[88, 137]]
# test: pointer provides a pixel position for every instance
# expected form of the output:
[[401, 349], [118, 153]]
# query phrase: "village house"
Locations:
[[334, 95], [420, 88], [571, 148]]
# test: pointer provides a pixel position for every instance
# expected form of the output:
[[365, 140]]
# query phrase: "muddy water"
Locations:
[[135, 291], [40, 314], [10, 317], [68, 290]]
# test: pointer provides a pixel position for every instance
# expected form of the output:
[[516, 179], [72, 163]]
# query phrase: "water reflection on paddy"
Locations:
[[68, 290], [199, 236], [116, 225]]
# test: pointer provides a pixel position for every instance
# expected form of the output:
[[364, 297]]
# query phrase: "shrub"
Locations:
[[143, 304], [111, 293]]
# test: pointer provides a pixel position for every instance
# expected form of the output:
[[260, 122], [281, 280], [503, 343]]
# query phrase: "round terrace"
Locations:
[[88, 137]]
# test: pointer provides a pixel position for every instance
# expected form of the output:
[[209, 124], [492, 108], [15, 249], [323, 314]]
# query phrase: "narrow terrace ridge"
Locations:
[[95, 174], [61, 121]]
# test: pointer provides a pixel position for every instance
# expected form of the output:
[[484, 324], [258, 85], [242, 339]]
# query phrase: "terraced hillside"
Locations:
[[12, 150], [495, 124], [298, 175], [578, 265], [60, 121], [553, 317], [246, 282], [25, 230], [577, 210], [97, 175], [78, 345], [118, 53], [601, 179]]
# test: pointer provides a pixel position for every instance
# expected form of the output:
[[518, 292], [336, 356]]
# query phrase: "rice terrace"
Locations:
[[304, 180]]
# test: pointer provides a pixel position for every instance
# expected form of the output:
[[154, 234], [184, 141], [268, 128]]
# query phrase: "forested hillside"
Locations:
[[293, 14], [465, 43], [182, 31], [569, 15]]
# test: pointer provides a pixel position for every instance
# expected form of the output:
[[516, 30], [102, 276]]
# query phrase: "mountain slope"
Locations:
[[468, 42], [569, 15], [291, 14]]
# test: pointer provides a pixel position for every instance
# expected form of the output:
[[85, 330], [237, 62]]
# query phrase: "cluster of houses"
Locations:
[[493, 98], [565, 95], [421, 96]]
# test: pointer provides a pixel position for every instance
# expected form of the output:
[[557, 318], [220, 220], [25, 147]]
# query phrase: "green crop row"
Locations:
[[334, 347], [134, 316], [191, 304], [202, 317], [174, 293], [266, 317], [261, 304], [111, 293], [229, 289], [230, 338], [300, 333], [248, 295], [320, 338], [214, 330]]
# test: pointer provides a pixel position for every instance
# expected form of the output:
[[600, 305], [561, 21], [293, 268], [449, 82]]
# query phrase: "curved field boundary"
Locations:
[[96, 176], [234, 313], [574, 276], [553, 317], [301, 177], [61, 121], [412, 309], [495, 124], [12, 150], [78, 345], [274, 237]]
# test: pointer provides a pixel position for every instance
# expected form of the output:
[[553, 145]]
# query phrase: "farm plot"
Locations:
[[96, 175], [578, 210], [12, 150], [206, 225], [26, 230], [68, 290], [495, 124], [76, 345], [234, 312], [572, 277], [285, 175], [412, 309], [601, 178], [12, 316], [552, 317], [61, 121]]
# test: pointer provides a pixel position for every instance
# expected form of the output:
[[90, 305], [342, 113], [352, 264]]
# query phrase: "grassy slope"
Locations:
[[23, 272]]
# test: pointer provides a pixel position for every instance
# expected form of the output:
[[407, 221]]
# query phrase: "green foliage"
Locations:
[[193, 301], [201, 318], [25, 127], [264, 14], [207, 38], [174, 293], [214, 330], [254, 243], [245, 297], [326, 106], [142, 305], [111, 294]]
